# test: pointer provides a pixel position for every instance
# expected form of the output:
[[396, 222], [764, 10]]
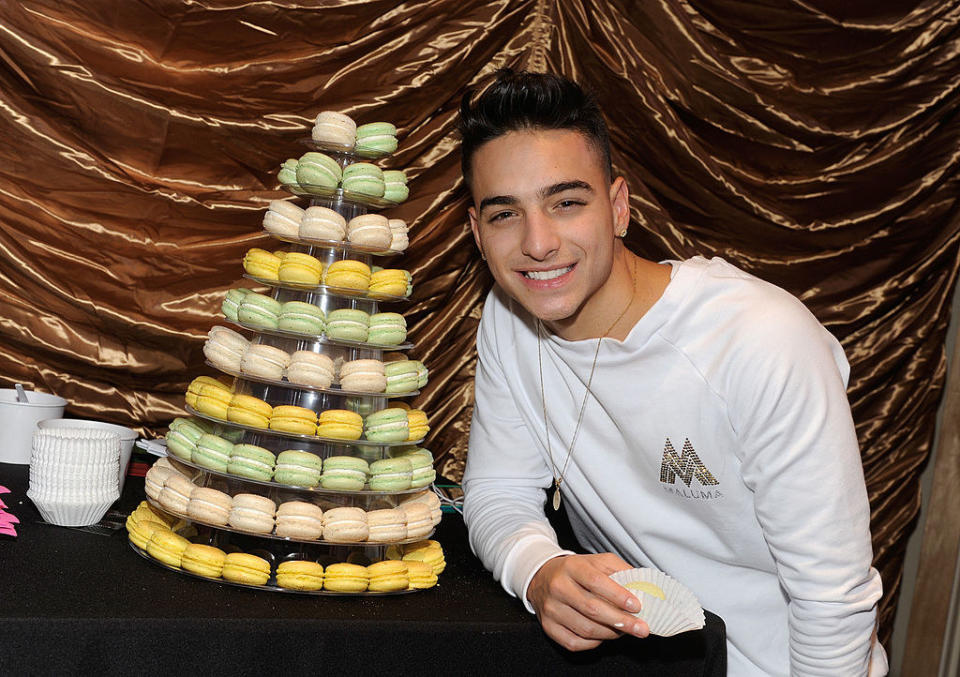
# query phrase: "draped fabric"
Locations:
[[810, 142]]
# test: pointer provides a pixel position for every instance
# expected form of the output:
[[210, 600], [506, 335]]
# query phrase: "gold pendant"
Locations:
[[556, 497]]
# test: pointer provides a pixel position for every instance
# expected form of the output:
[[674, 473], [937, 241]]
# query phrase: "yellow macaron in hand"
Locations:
[[346, 577], [340, 424], [647, 587], [261, 263], [300, 575], [348, 274], [300, 268], [241, 567], [291, 419], [249, 410]]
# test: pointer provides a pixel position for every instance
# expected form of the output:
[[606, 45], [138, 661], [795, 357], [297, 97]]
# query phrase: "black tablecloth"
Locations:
[[74, 602]]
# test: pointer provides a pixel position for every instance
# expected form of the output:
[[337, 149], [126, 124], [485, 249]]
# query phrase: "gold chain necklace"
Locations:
[[558, 475]]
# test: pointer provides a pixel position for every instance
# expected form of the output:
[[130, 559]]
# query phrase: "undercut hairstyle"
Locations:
[[529, 101]]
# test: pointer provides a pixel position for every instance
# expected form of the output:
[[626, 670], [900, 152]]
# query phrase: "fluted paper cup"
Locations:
[[678, 611]]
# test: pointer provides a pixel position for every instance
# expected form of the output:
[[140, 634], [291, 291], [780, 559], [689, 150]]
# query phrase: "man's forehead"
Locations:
[[554, 156]]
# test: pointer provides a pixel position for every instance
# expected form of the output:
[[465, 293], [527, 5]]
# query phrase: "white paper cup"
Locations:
[[678, 612], [127, 437]]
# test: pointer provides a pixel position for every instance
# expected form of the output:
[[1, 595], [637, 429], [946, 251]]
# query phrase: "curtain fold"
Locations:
[[812, 143]]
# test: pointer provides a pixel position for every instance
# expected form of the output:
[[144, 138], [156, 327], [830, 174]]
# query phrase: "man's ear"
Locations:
[[472, 214], [620, 202]]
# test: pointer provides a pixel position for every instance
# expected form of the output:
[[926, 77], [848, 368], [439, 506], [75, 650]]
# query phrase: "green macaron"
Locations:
[[231, 304], [298, 468], [378, 136], [395, 185], [387, 425], [391, 474], [421, 463], [348, 324], [182, 438], [316, 170], [421, 373], [251, 461], [364, 178], [288, 172], [259, 310], [344, 473], [213, 452], [401, 376], [301, 317], [387, 329]]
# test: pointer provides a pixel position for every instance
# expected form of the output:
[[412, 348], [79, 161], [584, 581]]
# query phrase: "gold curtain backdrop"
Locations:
[[813, 143]]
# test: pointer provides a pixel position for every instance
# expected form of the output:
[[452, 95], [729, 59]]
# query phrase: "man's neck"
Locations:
[[594, 318]]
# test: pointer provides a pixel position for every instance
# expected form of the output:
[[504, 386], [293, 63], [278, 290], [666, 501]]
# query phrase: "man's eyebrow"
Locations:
[[497, 200], [564, 186], [508, 200]]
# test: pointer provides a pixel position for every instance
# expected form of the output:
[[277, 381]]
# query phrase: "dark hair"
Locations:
[[519, 101]]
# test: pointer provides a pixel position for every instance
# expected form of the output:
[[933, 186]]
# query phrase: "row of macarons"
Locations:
[[213, 398], [413, 568], [259, 311], [284, 219], [318, 173], [409, 469], [233, 353], [296, 519], [339, 129], [306, 270]]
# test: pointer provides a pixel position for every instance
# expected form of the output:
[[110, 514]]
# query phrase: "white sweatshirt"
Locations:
[[717, 446]]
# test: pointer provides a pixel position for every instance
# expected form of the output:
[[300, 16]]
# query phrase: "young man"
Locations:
[[691, 417]]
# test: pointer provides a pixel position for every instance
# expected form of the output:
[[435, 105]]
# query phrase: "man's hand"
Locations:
[[579, 606]]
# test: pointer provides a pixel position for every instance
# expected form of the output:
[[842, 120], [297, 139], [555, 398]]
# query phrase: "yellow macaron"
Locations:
[[389, 575], [348, 274], [300, 268], [261, 263], [167, 547], [249, 410], [199, 384], [431, 553], [421, 575], [346, 577], [203, 560], [340, 424], [390, 281], [290, 419], [417, 421], [300, 575], [241, 567], [140, 531]]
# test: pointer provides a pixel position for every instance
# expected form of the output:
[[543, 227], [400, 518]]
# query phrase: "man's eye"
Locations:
[[569, 204], [500, 216]]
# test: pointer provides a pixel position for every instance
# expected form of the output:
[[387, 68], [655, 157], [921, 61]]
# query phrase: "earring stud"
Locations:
[[622, 233]]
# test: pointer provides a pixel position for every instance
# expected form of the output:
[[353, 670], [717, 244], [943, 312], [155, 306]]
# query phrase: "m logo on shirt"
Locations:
[[686, 466]]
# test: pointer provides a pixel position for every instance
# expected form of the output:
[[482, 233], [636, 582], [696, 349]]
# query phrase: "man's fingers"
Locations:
[[598, 583], [578, 607]]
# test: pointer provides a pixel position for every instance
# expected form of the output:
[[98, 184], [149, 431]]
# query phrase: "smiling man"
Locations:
[[692, 417]]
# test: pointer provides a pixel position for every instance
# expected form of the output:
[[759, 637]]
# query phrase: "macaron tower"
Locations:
[[303, 434]]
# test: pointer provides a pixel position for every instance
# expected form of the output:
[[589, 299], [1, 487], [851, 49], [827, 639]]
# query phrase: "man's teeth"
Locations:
[[547, 274]]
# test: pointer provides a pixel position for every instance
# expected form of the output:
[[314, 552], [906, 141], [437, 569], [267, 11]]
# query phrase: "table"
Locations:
[[75, 602]]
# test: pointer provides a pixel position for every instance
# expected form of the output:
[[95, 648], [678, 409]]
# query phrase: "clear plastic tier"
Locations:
[[358, 444], [324, 339], [327, 289]]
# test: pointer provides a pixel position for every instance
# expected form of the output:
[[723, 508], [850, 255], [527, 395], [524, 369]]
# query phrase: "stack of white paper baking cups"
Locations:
[[678, 611], [74, 474]]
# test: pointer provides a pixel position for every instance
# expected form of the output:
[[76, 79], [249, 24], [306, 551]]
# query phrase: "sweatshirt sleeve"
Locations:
[[787, 402], [505, 477]]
